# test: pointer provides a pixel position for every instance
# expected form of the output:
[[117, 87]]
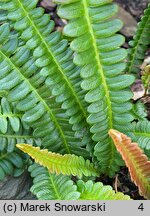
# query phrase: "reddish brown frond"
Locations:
[[136, 161]]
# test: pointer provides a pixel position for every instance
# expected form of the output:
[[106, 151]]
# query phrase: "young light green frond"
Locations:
[[66, 164], [97, 191], [47, 186], [54, 59], [25, 85], [98, 52], [139, 44]]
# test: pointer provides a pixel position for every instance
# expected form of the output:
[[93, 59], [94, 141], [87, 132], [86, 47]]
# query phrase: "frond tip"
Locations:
[[136, 161], [56, 163]]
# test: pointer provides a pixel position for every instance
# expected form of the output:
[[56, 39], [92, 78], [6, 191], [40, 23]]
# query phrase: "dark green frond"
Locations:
[[9, 140], [139, 44], [139, 111], [47, 186], [8, 115], [11, 163], [21, 77], [140, 133], [54, 58], [98, 52]]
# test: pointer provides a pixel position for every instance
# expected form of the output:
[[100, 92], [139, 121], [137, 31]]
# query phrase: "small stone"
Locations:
[[16, 188], [138, 90], [130, 23], [47, 4]]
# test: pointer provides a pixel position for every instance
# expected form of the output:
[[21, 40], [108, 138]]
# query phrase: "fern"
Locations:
[[139, 111], [9, 140], [140, 133], [66, 164], [13, 129], [97, 191], [47, 186], [8, 115], [22, 79], [66, 99], [11, 163], [139, 44], [54, 59], [102, 65], [136, 161], [3, 16]]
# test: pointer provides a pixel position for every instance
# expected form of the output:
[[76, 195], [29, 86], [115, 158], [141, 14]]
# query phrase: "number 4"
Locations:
[[141, 207]]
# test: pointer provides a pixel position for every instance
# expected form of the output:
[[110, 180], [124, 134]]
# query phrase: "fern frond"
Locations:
[[47, 186], [98, 52], [11, 163], [11, 138], [8, 115], [54, 59], [22, 79], [139, 111], [66, 164], [140, 133], [97, 191], [136, 161], [139, 44], [3, 16], [147, 152]]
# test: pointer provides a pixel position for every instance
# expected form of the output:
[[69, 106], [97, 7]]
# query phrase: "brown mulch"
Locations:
[[121, 182]]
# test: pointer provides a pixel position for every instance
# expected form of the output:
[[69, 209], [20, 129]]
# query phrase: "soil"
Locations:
[[134, 7], [122, 183]]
